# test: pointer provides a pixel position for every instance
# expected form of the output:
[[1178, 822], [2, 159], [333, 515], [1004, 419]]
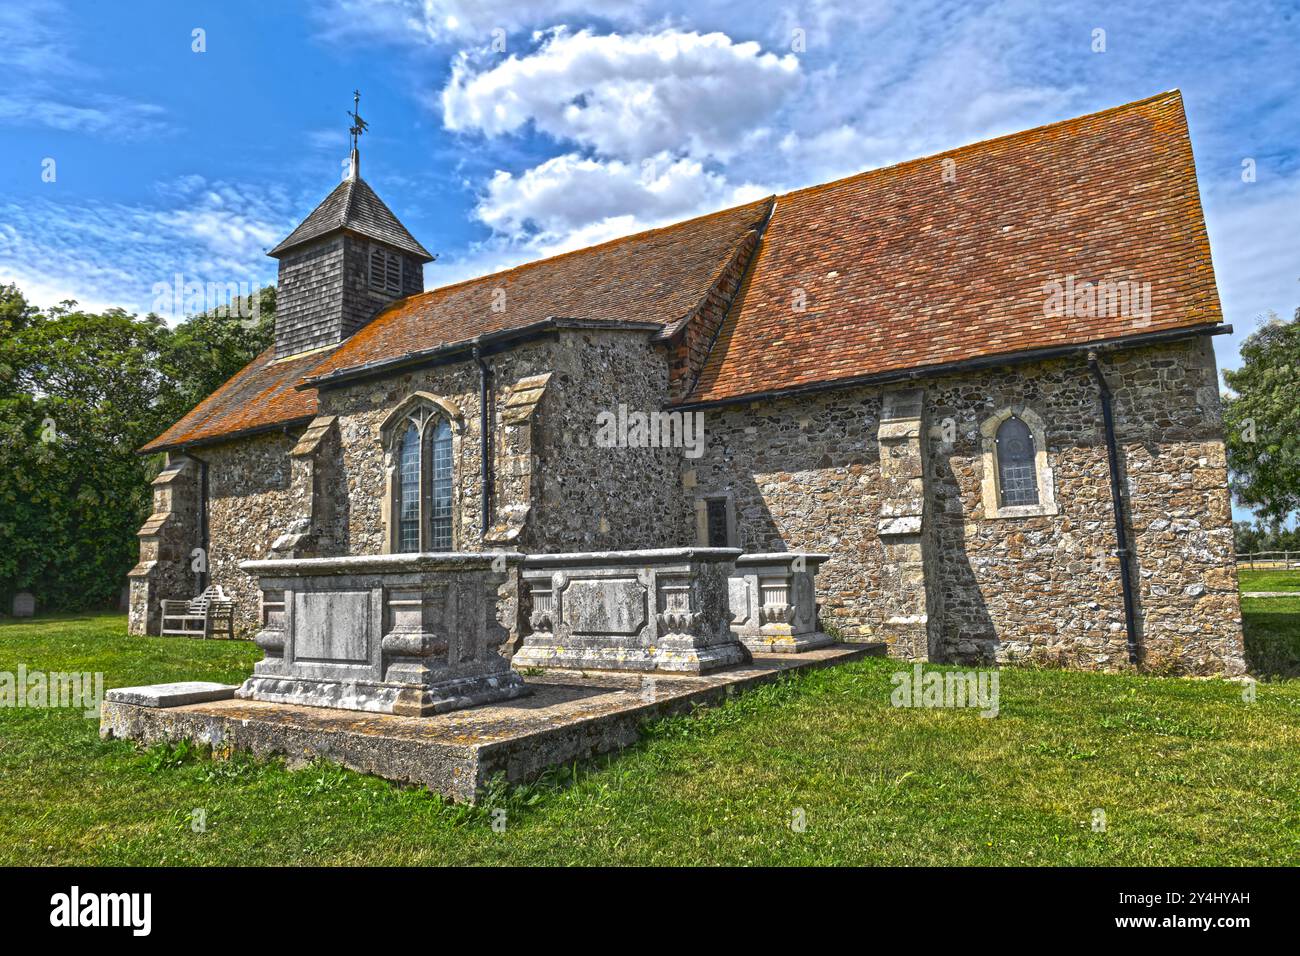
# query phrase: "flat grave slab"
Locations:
[[569, 715], [172, 695]]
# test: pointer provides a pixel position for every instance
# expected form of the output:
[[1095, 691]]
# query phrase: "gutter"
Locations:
[[965, 365], [463, 350], [1117, 502], [283, 426]]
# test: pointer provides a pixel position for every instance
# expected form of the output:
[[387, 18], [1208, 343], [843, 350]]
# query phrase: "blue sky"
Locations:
[[503, 131]]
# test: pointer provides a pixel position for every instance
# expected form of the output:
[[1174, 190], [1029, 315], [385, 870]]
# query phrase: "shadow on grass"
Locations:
[[64, 617], [1272, 635]]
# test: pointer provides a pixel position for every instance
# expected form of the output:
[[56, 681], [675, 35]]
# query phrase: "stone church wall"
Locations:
[[583, 496], [804, 473], [598, 497], [250, 504]]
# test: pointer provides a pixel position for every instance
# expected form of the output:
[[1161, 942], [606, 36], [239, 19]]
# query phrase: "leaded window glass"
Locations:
[[408, 492], [1017, 478], [440, 490]]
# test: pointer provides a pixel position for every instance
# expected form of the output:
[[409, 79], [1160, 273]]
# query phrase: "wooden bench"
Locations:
[[209, 614]]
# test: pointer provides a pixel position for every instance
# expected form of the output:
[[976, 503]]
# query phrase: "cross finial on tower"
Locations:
[[358, 127]]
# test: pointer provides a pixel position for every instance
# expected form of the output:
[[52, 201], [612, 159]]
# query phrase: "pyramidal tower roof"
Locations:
[[354, 207]]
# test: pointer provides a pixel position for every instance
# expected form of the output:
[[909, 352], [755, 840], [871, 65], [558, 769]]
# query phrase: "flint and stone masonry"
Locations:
[[837, 473], [929, 572]]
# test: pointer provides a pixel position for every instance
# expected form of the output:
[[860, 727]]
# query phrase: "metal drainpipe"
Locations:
[[203, 515], [485, 439], [1117, 500]]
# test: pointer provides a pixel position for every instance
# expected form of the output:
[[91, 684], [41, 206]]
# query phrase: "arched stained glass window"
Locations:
[[440, 485], [408, 492], [1017, 480], [422, 475]]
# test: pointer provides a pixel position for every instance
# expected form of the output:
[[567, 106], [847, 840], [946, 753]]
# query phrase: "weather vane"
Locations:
[[359, 125]]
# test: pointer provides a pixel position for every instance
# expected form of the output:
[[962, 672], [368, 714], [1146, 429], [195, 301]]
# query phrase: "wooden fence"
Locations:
[[1270, 559]]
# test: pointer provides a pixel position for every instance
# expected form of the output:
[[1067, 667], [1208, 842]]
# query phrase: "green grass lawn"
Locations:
[[1262, 579], [1186, 772], [1272, 636]]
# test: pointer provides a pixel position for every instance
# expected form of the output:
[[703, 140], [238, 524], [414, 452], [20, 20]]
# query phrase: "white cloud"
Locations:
[[570, 202], [626, 96], [1256, 258], [442, 21], [94, 114], [830, 154], [569, 193], [48, 84], [30, 40], [105, 254]]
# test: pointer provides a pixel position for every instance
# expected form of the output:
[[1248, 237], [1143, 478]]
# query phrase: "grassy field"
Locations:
[[1272, 636], [1261, 579], [1186, 772]]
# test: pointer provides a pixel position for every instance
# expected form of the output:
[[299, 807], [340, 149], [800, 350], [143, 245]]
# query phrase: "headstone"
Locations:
[[24, 604]]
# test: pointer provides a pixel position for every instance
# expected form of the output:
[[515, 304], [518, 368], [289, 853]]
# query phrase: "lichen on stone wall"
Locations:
[[805, 474]]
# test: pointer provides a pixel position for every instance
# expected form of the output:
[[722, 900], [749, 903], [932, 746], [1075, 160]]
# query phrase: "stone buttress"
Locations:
[[165, 542], [310, 533], [911, 605]]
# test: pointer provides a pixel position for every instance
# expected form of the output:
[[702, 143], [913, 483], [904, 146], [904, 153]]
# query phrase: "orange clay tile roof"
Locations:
[[655, 277], [899, 268], [902, 269], [260, 395]]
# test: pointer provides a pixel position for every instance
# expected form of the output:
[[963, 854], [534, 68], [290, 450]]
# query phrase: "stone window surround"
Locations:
[[702, 518], [391, 430], [1042, 467]]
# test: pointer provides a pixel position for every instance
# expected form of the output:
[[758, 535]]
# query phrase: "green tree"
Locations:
[[80, 392], [79, 399], [1246, 537], [206, 349], [1262, 421]]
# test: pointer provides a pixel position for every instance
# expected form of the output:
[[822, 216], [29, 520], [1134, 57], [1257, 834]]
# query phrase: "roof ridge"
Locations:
[[351, 197], [792, 193], [931, 157], [615, 241], [573, 252], [907, 300]]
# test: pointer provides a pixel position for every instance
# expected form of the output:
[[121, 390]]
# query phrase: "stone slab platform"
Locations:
[[174, 695], [569, 716]]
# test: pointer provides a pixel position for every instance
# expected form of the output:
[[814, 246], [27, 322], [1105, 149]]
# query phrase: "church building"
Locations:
[[982, 382]]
